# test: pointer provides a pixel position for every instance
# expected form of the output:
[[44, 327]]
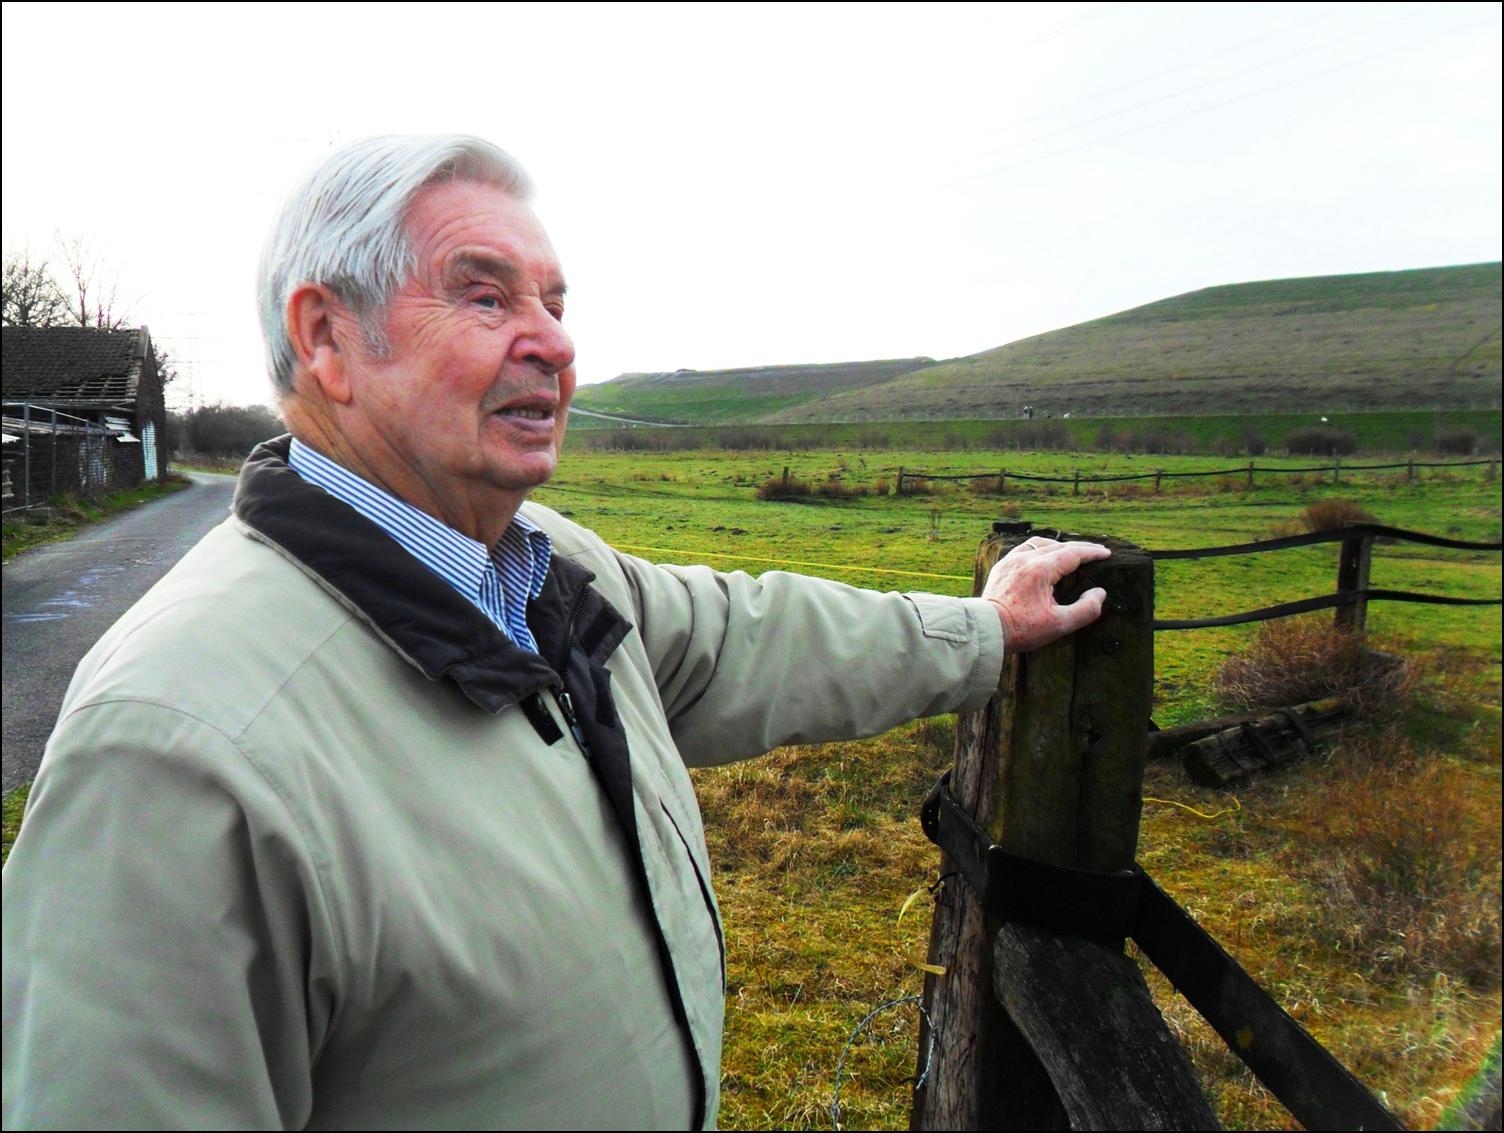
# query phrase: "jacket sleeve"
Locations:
[[745, 664], [159, 919]]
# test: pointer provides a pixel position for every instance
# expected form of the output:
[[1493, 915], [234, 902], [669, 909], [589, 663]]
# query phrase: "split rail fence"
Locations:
[[1249, 471], [1033, 1016]]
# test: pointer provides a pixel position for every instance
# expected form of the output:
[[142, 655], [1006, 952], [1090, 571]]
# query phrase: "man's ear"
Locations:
[[312, 312]]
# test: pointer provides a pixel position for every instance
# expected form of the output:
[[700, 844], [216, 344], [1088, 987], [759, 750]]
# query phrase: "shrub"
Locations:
[[986, 486], [783, 488], [224, 430], [1457, 442], [1330, 515], [1320, 440], [1039, 436], [1293, 660], [643, 439], [917, 486], [1254, 443]]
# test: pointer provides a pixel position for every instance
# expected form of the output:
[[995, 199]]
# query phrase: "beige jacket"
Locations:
[[314, 846]]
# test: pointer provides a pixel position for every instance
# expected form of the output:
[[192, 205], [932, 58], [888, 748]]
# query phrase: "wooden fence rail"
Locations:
[[1159, 475]]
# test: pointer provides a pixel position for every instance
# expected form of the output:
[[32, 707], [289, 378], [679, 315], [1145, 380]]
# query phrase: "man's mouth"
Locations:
[[528, 414]]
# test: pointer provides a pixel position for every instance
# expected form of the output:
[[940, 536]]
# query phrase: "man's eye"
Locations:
[[490, 302]]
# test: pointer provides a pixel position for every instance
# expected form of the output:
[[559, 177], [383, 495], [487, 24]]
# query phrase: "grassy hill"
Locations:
[[724, 396], [1428, 338]]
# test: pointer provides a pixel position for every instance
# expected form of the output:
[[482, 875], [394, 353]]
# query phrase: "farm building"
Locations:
[[83, 412]]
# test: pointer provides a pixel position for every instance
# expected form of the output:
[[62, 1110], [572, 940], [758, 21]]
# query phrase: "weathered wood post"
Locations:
[[1076, 490], [1352, 575], [1159, 474], [1002, 481], [1410, 470], [1034, 1030], [785, 475], [900, 479]]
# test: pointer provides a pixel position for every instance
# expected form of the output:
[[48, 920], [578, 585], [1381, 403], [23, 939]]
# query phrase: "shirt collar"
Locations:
[[458, 559]]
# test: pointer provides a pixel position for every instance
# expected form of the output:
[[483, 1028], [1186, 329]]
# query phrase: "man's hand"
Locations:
[[1022, 586]]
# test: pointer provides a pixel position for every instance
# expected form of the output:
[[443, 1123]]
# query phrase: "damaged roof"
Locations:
[[72, 363]]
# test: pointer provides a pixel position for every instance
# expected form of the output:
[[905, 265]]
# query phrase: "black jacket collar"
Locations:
[[419, 614]]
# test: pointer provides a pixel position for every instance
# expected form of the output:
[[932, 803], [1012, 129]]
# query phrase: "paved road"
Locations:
[[58, 599]]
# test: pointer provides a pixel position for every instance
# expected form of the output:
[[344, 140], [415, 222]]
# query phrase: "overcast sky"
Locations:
[[742, 185]]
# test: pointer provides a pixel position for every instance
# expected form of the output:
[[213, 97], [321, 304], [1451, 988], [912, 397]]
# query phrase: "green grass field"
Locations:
[[817, 848]]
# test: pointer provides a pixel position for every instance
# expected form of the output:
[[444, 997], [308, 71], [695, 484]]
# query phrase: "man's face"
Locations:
[[465, 412]]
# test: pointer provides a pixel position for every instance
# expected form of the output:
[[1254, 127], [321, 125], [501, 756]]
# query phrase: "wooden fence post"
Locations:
[[785, 475], [1336, 469], [900, 479], [1002, 481], [1158, 476], [1052, 768], [1076, 491], [1410, 470], [1352, 575], [1250, 473]]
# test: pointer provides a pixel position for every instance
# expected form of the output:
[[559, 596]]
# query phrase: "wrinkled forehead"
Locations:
[[469, 228]]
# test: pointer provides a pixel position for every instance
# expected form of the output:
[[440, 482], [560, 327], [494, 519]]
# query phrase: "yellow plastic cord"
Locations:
[[1236, 806], [693, 555]]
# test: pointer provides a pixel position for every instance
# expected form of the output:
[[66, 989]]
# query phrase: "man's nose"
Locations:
[[546, 343]]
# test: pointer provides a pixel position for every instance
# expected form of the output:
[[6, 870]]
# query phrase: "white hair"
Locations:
[[345, 227]]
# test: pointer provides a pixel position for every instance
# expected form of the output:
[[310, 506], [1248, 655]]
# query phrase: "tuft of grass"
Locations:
[[1293, 660], [783, 488], [1330, 515]]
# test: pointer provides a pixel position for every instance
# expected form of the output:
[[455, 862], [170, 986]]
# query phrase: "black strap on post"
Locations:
[[1107, 906], [1079, 902]]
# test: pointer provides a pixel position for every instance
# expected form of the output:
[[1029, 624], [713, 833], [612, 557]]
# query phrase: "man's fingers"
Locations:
[[1082, 612], [1066, 557]]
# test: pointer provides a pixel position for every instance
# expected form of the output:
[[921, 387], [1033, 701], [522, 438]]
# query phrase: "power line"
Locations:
[[1071, 127], [1208, 108]]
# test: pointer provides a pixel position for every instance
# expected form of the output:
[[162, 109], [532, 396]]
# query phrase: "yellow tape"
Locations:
[[1236, 806], [785, 562]]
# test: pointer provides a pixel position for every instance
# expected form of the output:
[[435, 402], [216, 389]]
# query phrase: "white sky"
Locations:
[[743, 185]]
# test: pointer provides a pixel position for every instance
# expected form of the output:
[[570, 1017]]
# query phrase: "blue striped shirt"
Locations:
[[500, 581]]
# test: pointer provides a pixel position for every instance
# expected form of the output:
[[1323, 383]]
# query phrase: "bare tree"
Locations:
[[94, 302], [167, 365], [31, 297]]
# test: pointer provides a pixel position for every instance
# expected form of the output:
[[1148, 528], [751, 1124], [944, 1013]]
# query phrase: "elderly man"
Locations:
[[374, 811]]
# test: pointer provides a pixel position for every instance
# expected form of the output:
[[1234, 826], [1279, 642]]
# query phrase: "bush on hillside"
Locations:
[[1457, 442], [1320, 440], [1254, 443], [1035, 436]]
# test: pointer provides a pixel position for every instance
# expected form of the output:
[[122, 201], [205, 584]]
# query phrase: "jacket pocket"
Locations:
[[705, 892]]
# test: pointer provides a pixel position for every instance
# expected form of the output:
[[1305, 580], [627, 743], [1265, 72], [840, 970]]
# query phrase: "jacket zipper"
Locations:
[[561, 693]]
